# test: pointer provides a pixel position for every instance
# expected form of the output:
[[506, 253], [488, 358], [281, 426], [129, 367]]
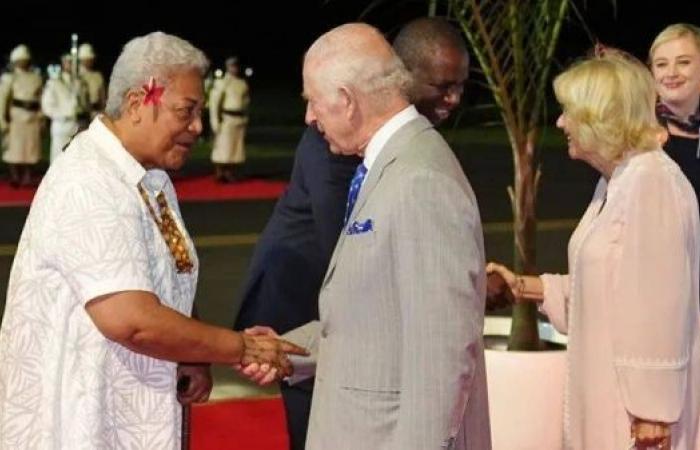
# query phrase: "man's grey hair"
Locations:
[[157, 55], [344, 60]]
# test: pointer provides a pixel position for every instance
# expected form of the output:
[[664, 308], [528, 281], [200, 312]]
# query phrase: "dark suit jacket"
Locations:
[[291, 257]]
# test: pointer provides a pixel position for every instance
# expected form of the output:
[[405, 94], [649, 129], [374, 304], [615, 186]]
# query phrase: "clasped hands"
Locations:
[[650, 435], [265, 355]]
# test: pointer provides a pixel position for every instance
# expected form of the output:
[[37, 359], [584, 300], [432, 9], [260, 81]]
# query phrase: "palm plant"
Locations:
[[514, 42]]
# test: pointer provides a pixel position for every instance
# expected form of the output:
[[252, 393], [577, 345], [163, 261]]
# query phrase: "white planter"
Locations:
[[526, 392]]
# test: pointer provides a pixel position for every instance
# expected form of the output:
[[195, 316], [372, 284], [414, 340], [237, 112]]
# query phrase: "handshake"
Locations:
[[500, 284], [264, 357]]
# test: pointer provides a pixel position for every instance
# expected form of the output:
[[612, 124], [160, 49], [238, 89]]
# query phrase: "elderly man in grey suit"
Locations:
[[400, 361]]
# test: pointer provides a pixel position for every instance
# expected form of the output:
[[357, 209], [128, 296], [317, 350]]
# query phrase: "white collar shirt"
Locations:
[[63, 385], [385, 132]]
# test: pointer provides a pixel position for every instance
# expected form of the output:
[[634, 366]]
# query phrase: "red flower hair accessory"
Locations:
[[152, 92]]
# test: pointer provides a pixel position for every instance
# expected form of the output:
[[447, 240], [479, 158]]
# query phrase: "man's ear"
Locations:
[[133, 109], [348, 99]]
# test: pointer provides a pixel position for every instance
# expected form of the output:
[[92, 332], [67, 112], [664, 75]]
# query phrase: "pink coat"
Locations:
[[630, 308]]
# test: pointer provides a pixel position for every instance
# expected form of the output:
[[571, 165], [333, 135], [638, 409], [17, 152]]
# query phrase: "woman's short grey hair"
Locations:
[[156, 55]]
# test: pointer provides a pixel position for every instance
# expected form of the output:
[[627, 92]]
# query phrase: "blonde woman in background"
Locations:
[[674, 58]]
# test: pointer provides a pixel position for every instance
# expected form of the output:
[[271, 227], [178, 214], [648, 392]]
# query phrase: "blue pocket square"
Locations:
[[359, 227]]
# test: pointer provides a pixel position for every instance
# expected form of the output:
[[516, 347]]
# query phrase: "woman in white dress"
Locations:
[[630, 301]]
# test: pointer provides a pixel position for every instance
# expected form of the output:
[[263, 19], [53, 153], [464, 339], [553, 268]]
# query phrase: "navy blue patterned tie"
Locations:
[[355, 186]]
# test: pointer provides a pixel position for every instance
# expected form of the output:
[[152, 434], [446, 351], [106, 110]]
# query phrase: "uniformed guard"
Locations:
[[21, 117], [228, 115], [209, 80], [66, 102], [93, 78]]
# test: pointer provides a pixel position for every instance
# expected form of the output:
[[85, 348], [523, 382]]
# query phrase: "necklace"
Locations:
[[169, 230]]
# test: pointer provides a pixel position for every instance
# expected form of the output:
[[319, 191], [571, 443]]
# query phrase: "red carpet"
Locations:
[[189, 189], [239, 424], [204, 188], [15, 197]]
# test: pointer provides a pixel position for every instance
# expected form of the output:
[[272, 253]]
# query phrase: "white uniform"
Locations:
[[62, 101], [5, 81], [228, 105], [19, 102], [96, 89]]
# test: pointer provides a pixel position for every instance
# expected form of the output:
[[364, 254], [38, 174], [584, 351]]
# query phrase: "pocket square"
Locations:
[[359, 227]]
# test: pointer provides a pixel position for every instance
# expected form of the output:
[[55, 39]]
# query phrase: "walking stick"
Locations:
[[185, 431], [182, 386]]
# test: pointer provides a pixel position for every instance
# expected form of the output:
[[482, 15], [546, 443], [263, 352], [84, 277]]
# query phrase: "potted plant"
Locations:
[[514, 43]]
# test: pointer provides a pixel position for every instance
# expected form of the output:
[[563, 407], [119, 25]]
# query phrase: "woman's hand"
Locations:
[[647, 434]]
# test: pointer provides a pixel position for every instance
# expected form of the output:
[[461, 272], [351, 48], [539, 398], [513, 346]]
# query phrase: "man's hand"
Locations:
[[194, 383], [648, 434], [499, 286], [265, 356], [259, 373]]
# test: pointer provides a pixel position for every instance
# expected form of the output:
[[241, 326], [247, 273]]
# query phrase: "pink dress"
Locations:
[[630, 308]]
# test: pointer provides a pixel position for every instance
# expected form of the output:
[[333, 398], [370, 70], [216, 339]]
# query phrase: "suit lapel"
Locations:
[[386, 156]]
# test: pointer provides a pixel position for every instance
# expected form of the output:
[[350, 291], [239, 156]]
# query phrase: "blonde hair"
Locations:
[[609, 104], [675, 31]]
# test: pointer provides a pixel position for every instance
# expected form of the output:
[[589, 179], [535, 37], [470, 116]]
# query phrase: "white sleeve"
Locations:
[[95, 239], [216, 97], [5, 91], [49, 101], [304, 336], [555, 305]]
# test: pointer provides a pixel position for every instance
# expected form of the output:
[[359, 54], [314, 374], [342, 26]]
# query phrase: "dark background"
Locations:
[[271, 36]]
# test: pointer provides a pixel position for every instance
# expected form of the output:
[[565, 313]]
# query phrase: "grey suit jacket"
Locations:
[[400, 351]]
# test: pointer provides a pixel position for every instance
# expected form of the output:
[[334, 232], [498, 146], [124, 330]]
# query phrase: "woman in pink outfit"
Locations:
[[630, 301]]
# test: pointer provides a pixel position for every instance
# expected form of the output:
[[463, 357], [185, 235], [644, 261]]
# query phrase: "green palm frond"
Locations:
[[514, 43]]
